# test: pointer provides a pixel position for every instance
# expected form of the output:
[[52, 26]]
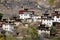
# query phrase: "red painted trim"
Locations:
[[21, 11]]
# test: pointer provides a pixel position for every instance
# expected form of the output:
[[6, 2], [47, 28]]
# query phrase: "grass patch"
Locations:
[[51, 2], [58, 5]]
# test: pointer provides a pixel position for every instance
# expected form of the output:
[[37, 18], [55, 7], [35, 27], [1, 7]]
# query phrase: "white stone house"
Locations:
[[56, 15], [47, 21], [56, 19], [8, 27], [42, 31], [25, 14]]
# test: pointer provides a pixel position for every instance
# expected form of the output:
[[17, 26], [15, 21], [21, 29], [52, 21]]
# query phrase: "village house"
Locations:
[[25, 14], [43, 29], [56, 16], [47, 20], [56, 19], [8, 27], [40, 32], [29, 16]]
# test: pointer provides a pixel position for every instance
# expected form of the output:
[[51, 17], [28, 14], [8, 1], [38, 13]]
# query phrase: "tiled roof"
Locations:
[[21, 11]]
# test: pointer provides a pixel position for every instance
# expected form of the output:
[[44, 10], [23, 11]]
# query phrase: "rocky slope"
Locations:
[[11, 7]]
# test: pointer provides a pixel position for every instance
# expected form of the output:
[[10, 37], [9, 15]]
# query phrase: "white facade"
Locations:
[[8, 27], [47, 22], [25, 15], [50, 22], [56, 19], [40, 32]]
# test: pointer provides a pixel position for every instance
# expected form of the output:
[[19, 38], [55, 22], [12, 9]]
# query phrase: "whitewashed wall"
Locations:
[[8, 27], [47, 22], [40, 32], [56, 19]]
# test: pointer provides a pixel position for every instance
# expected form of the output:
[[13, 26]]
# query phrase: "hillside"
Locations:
[[11, 7]]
